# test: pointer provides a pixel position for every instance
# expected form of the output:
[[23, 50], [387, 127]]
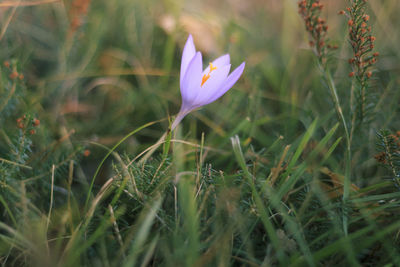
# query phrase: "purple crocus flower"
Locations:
[[201, 87]]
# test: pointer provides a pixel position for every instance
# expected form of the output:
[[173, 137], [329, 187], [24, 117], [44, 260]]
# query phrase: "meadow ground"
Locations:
[[297, 165]]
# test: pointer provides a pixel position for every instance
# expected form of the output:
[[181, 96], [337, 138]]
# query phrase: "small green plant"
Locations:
[[389, 153]]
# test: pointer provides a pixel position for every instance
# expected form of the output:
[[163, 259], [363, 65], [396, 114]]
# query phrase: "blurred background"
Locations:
[[95, 70]]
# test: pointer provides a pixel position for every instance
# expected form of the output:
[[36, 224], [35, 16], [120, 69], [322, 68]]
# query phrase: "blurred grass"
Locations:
[[252, 179]]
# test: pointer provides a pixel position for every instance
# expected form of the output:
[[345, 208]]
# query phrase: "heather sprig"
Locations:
[[361, 41], [363, 59], [389, 153], [317, 27], [11, 81]]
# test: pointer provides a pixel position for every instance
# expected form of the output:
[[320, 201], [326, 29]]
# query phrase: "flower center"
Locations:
[[207, 76]]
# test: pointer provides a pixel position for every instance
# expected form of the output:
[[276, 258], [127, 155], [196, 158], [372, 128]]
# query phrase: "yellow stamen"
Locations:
[[212, 67], [207, 76]]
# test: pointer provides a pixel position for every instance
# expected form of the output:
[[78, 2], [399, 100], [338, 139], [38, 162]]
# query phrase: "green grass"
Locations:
[[289, 168]]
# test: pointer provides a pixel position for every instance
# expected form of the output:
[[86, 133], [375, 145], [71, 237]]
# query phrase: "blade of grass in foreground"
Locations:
[[190, 219], [271, 231], [142, 234], [285, 187], [8, 210]]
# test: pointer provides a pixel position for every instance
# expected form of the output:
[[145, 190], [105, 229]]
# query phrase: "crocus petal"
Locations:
[[227, 84], [191, 82], [212, 85], [219, 63], [189, 52]]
